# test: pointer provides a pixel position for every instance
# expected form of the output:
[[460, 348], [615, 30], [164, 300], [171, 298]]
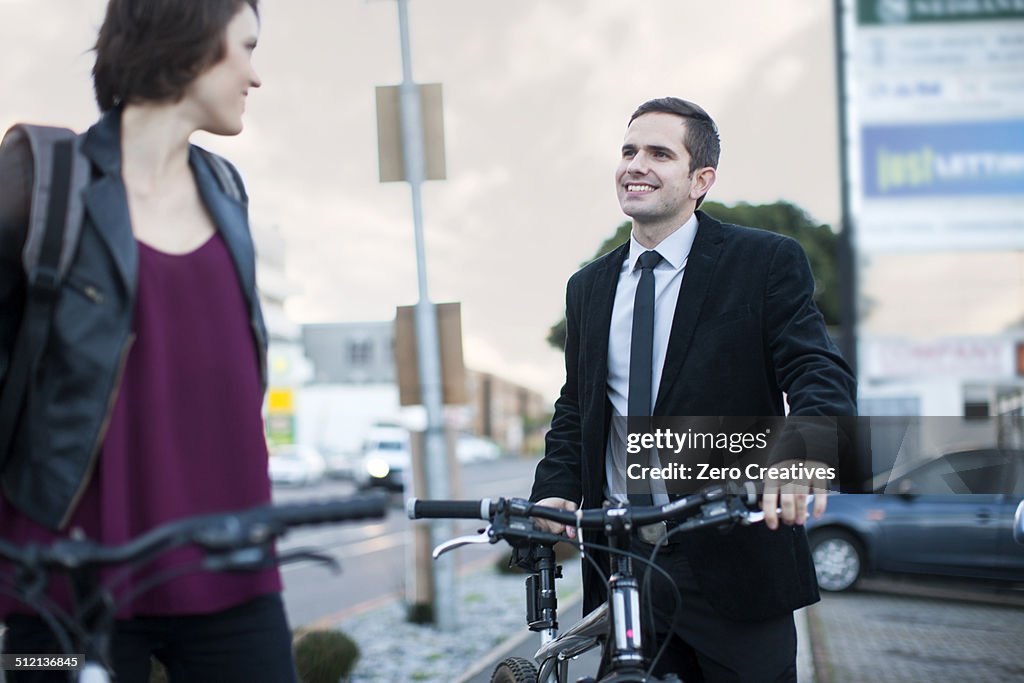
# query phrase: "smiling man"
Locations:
[[693, 317]]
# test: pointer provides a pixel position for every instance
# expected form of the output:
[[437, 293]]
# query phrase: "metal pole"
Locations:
[[427, 346], [847, 253]]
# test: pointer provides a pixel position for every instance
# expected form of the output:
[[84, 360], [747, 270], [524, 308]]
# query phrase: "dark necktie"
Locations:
[[641, 357]]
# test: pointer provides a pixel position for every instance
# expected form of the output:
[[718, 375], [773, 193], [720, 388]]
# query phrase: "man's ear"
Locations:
[[703, 179]]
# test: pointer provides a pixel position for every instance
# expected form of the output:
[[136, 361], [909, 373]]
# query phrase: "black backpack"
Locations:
[[60, 173]]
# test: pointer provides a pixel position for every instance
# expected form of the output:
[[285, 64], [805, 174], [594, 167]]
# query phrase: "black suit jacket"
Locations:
[[745, 330]]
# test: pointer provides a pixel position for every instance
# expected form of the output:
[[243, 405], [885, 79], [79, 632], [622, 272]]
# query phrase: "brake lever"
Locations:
[[755, 516], [473, 539], [302, 555], [752, 517], [249, 559]]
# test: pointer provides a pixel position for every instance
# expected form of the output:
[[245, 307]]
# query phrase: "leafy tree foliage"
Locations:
[[818, 241]]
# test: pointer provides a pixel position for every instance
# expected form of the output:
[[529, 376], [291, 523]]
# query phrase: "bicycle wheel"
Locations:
[[514, 670]]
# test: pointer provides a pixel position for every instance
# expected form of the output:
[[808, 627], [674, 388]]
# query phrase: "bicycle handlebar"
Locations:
[[487, 508], [213, 532], [484, 508]]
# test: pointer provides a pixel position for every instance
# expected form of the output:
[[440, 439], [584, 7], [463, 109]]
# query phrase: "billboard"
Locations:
[[936, 123]]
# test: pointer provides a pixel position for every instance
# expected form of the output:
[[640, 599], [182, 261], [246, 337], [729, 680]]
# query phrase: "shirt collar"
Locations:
[[674, 249]]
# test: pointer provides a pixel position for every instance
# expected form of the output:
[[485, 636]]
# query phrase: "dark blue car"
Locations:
[[914, 529]]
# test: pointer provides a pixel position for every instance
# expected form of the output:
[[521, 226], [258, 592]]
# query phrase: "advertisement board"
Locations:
[[936, 123]]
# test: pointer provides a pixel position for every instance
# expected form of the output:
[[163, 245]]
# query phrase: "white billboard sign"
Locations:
[[936, 123]]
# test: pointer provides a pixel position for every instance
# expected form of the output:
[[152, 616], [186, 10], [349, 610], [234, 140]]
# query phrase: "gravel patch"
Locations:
[[492, 608]]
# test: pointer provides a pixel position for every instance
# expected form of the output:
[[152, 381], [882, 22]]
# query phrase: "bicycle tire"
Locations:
[[514, 670]]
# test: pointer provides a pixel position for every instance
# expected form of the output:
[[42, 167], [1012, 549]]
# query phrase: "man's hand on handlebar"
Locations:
[[555, 527], [788, 501]]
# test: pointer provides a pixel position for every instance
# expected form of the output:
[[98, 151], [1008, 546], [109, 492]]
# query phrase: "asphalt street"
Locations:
[[373, 555]]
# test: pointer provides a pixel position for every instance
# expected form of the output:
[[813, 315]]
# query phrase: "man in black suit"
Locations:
[[735, 328]]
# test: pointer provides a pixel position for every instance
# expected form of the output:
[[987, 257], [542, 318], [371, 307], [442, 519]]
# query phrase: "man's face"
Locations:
[[653, 179], [217, 95]]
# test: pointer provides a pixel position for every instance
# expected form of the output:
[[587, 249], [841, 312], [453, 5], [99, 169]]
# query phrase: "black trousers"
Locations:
[[703, 646], [249, 643]]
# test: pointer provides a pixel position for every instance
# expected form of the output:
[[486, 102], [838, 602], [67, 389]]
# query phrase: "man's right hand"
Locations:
[[555, 527]]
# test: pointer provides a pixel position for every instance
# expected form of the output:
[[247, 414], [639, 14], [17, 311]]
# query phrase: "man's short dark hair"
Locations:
[[701, 137], [150, 50]]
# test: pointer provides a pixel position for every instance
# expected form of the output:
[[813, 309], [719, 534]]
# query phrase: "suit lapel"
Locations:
[[700, 267], [602, 299]]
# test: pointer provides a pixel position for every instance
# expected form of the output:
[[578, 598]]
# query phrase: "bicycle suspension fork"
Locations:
[[624, 600]]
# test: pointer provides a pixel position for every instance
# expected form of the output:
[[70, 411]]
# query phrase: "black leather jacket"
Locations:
[[70, 399]]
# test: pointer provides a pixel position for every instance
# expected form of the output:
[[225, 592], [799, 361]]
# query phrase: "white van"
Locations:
[[386, 458]]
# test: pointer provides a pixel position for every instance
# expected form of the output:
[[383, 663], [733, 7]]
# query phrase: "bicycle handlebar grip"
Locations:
[[450, 509], [350, 509]]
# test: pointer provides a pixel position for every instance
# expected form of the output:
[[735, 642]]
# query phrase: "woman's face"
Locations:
[[217, 95]]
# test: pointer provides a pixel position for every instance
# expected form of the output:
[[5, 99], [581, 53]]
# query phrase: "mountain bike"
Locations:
[[616, 624], [232, 541]]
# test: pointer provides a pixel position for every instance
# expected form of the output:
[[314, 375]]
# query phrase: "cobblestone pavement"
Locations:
[[892, 638]]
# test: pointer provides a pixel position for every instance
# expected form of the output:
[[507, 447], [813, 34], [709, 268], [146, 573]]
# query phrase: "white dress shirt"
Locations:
[[668, 278]]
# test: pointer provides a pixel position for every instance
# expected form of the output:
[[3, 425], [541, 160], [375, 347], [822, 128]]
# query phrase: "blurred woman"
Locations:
[[147, 405]]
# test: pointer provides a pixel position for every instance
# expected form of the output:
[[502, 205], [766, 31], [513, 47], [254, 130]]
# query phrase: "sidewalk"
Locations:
[[935, 635]]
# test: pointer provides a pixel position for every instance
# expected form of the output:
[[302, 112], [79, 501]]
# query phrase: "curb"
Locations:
[[805, 669], [821, 668]]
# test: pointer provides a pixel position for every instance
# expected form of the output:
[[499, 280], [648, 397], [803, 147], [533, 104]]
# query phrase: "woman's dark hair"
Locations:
[[152, 49]]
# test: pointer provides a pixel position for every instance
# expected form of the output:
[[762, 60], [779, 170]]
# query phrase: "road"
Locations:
[[373, 554]]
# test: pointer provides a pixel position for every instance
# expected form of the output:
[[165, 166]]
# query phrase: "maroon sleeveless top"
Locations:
[[185, 436]]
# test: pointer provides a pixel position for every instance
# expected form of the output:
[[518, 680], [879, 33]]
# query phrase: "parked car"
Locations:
[[913, 529], [470, 448], [1018, 524], [341, 465], [386, 459], [296, 465]]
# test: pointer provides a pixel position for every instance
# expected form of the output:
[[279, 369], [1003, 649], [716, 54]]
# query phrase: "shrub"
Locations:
[[325, 656]]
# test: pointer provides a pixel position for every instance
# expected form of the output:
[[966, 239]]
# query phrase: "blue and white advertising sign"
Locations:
[[935, 124], [981, 158]]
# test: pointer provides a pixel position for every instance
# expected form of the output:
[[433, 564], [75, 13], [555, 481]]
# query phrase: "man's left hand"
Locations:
[[788, 501]]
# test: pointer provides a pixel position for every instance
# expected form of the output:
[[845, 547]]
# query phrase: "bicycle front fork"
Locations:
[[624, 600]]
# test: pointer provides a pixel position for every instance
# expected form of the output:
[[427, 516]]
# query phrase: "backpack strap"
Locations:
[[54, 227], [43, 143]]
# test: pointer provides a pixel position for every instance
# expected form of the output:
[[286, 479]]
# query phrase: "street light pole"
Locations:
[[848, 275], [427, 347]]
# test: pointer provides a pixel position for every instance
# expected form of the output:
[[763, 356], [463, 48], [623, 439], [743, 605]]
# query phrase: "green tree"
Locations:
[[818, 241]]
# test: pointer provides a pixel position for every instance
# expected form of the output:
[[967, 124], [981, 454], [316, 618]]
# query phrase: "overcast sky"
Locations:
[[536, 97]]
